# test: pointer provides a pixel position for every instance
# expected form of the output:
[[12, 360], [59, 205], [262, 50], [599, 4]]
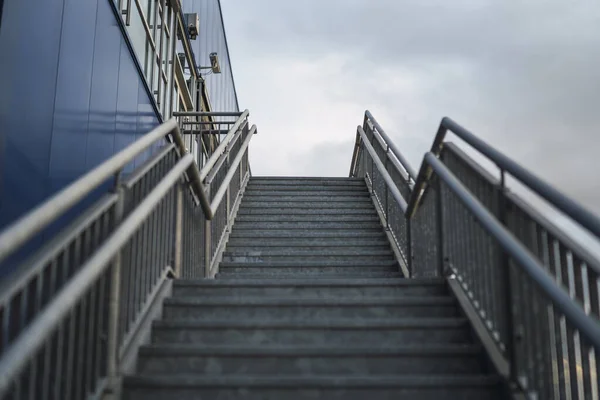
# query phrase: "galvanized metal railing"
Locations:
[[72, 313], [533, 289]]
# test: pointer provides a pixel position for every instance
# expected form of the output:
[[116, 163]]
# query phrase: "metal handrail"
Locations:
[[405, 164], [23, 229], [391, 149], [582, 216], [29, 342], [386, 176], [107, 251], [548, 261], [573, 312]]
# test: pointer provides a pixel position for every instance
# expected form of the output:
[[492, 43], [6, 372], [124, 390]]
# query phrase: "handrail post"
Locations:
[[409, 249], [114, 298], [506, 276], [228, 194], [207, 240], [386, 210], [178, 230], [440, 229]]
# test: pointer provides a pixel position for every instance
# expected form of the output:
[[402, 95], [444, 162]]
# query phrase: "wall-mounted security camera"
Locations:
[[214, 63], [193, 24]]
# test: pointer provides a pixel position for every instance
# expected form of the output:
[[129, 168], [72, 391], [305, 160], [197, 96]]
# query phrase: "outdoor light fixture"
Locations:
[[214, 64]]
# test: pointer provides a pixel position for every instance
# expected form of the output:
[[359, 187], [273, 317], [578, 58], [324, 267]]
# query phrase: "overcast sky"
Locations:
[[524, 75]]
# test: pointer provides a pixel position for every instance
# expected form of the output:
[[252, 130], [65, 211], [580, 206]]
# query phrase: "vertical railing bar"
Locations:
[[70, 354], [103, 333], [80, 355], [128, 13], [114, 298], [506, 278], [440, 228]]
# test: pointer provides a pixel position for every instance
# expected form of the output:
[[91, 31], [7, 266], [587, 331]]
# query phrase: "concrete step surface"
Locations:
[[308, 190], [331, 332], [291, 309], [309, 303], [315, 273], [274, 203], [309, 242], [309, 218], [304, 211], [312, 225], [347, 387], [340, 288], [365, 360], [313, 234]]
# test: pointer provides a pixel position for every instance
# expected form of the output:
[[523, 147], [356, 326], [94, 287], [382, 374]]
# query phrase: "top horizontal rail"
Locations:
[[516, 250], [381, 168], [41, 217], [582, 216], [411, 172], [207, 113]]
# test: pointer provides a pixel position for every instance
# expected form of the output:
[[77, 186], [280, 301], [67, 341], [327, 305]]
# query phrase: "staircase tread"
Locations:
[[249, 301], [424, 380], [309, 351], [338, 323], [341, 282], [313, 263]]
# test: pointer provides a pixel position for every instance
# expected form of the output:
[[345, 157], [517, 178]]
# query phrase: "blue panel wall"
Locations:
[[70, 96], [211, 38]]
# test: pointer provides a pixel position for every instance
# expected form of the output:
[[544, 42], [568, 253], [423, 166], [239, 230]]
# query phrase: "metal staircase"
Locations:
[[318, 309], [387, 284]]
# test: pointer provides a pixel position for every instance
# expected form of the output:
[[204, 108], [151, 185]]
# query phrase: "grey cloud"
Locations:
[[522, 75]]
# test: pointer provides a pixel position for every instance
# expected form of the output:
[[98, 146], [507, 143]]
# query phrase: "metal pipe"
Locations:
[[403, 161], [221, 148], [386, 177], [160, 53], [209, 114], [27, 226], [584, 217], [26, 345], [523, 257], [232, 168]]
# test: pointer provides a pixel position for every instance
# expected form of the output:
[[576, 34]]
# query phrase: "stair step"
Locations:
[[291, 309], [356, 203], [308, 360], [309, 218], [313, 199], [315, 275], [308, 180], [310, 254], [347, 387], [290, 225], [353, 263], [321, 248], [307, 190], [334, 331], [305, 211], [316, 234], [307, 243], [308, 288]]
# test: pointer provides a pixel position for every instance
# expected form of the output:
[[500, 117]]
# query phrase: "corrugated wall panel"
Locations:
[[71, 97]]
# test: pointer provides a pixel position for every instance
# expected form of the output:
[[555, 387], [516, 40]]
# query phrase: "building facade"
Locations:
[[82, 79]]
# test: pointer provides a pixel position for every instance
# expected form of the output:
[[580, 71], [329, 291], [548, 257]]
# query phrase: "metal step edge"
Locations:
[[164, 381], [156, 350], [259, 301], [416, 282], [331, 324]]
